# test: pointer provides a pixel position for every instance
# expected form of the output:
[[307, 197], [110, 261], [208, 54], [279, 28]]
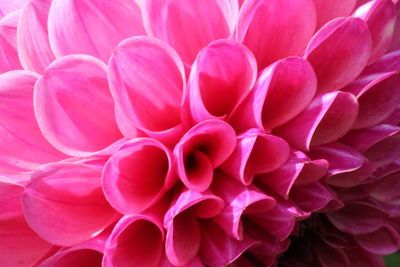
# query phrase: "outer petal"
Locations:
[[23, 147], [69, 84], [387, 63], [386, 188], [396, 36], [222, 75], [327, 118], [383, 241], [92, 27], [272, 34], [188, 26], [65, 205], [339, 52], [7, 6], [330, 9], [8, 42], [362, 258], [33, 43], [146, 78]]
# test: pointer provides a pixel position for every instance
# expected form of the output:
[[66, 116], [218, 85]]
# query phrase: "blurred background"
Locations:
[[393, 260]]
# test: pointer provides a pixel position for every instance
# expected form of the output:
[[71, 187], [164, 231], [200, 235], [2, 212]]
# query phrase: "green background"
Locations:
[[393, 260]]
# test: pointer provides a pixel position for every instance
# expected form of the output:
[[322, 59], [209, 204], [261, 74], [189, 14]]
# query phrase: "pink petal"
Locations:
[[282, 91], [189, 26], [339, 52], [65, 205], [203, 148], [136, 240], [331, 257], [386, 189], [138, 175], [383, 241], [143, 64], [326, 119], [387, 63], [396, 35], [380, 16], [8, 42], [331, 9], [222, 75], [360, 257], [68, 84], [272, 34], [92, 27], [196, 262], [33, 42], [240, 200], [23, 147], [7, 6]]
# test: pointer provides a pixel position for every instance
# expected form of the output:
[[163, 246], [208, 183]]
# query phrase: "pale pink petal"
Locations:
[[93, 27], [7, 6], [8, 42], [22, 145], [203, 148], [383, 241], [136, 240], [240, 200], [380, 16], [146, 78], [339, 51], [65, 205], [188, 26], [282, 91], [138, 175], [221, 77], [331, 9], [33, 43], [326, 119], [255, 153], [275, 29], [70, 83]]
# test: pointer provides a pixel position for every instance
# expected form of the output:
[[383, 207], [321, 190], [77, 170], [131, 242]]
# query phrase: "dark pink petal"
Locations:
[[219, 248], [239, 200], [380, 16], [70, 83], [203, 148], [339, 52], [146, 79], [22, 145], [359, 257], [136, 240], [347, 166], [7, 6], [331, 9], [195, 262], [326, 119], [33, 42], [222, 75], [92, 27], [396, 35], [189, 26], [138, 175], [387, 63], [8, 42], [255, 153], [331, 257], [65, 205], [383, 241], [386, 188], [282, 91], [272, 34]]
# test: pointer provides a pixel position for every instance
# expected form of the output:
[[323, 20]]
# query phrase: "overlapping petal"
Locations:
[[8, 42], [331, 9]]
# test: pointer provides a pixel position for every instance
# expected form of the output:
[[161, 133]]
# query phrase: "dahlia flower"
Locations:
[[199, 133]]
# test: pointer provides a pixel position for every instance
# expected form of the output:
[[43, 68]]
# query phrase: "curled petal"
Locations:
[[92, 27], [272, 34], [330, 9], [222, 75], [65, 205], [388, 63], [146, 78], [339, 51], [326, 119], [203, 148], [383, 241], [70, 83], [8, 42]]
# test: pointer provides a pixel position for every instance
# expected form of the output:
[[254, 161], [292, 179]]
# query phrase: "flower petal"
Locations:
[[396, 36], [272, 34], [331, 9], [70, 83], [8, 42], [339, 51], [7, 6], [383, 241], [92, 27], [387, 63]]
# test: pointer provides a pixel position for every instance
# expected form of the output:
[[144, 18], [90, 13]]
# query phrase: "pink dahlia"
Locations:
[[199, 133]]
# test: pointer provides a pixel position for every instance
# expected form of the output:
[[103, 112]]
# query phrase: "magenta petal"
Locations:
[[386, 188], [135, 241], [326, 119], [203, 148], [189, 26], [388, 63], [380, 16], [359, 257], [331, 257], [8, 42], [339, 52], [272, 34], [138, 175], [396, 35], [383, 241], [92, 27], [143, 64], [65, 205], [68, 84], [330, 9], [222, 75], [23, 146], [255, 153]]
